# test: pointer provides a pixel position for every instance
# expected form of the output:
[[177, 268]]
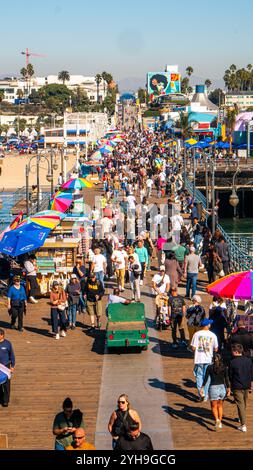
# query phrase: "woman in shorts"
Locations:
[[219, 388]]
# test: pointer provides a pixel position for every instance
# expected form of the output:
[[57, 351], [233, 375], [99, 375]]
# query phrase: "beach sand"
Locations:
[[12, 169]]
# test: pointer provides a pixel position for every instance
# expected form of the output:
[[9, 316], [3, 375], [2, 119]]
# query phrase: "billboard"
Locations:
[[163, 83]]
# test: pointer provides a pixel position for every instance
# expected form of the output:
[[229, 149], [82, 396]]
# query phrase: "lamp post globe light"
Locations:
[[39, 159], [233, 198]]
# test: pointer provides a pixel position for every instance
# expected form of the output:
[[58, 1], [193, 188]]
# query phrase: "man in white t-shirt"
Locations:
[[149, 184], [131, 201], [176, 222], [161, 282], [120, 258], [204, 344], [98, 265], [115, 298], [106, 226]]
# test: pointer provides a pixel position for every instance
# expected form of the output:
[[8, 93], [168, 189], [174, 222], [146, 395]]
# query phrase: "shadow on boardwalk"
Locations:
[[173, 388]]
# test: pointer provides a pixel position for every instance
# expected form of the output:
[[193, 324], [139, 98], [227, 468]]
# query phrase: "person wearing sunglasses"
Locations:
[[122, 418], [79, 441], [66, 423]]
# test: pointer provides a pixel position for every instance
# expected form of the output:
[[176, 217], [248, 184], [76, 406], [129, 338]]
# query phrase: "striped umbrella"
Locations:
[[77, 183], [61, 201], [237, 286]]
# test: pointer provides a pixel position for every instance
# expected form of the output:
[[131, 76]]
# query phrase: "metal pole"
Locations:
[[184, 165], [206, 177], [194, 174], [62, 169], [38, 183], [52, 171], [27, 189], [86, 148], [213, 199], [248, 142]]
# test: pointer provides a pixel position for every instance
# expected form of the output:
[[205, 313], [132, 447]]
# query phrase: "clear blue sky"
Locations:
[[127, 39]]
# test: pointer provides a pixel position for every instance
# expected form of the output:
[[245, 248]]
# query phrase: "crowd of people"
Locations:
[[144, 218]]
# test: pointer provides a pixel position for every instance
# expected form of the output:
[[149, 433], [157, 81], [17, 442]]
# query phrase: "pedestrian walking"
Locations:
[[73, 291], [142, 253], [121, 418], [134, 269], [204, 343], [31, 276], [241, 376], [191, 270], [98, 265], [195, 314], [79, 441], [177, 312], [219, 387], [58, 302], [66, 423], [134, 440], [120, 260], [93, 291], [16, 303], [7, 359]]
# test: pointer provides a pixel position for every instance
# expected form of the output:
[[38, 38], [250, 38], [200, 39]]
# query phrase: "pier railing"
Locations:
[[240, 253]]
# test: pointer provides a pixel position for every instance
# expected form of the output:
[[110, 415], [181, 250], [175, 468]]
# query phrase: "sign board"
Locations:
[[163, 83]]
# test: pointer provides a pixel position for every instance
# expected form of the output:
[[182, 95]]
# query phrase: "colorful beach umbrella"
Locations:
[[61, 201], [77, 183], [48, 221], [97, 155], [23, 239], [14, 224], [237, 286]]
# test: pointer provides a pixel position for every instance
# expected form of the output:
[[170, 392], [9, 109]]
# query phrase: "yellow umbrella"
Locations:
[[191, 141]]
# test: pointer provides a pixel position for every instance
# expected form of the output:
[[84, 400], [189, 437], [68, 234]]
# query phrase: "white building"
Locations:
[[78, 129], [14, 88], [243, 99]]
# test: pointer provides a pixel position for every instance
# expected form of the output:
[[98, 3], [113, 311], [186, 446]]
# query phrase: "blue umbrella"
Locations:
[[23, 239]]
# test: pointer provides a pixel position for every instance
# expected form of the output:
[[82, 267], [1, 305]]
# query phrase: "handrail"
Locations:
[[239, 260]]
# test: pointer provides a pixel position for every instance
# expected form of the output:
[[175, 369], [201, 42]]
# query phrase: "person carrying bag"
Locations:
[[58, 301], [17, 302]]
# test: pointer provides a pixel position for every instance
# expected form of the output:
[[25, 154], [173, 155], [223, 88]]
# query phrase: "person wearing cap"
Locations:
[[93, 291], [120, 260], [195, 314], [204, 343], [58, 301], [16, 303], [161, 282], [191, 271], [142, 253], [177, 312], [73, 291]]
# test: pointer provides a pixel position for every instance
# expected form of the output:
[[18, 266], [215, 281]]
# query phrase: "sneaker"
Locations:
[[13, 327], [33, 300], [220, 425], [243, 428], [57, 336], [20, 329], [5, 404], [141, 283], [62, 333], [217, 424]]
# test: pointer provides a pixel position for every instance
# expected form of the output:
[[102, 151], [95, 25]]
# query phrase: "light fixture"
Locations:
[[55, 166], [49, 177], [233, 198]]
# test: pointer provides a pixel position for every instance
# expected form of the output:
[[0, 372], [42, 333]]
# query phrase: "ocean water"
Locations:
[[237, 225], [5, 215]]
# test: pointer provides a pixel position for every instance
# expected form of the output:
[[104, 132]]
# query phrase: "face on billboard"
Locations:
[[163, 83]]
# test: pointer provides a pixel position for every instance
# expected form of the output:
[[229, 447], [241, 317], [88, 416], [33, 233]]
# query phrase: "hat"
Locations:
[[73, 276], [120, 245], [197, 298], [206, 322], [162, 268], [16, 278], [55, 283]]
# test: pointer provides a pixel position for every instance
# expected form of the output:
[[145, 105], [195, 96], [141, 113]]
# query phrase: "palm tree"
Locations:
[[30, 73], [230, 121], [232, 68], [249, 67], [98, 80], [108, 78], [185, 127], [208, 83], [189, 70], [63, 76]]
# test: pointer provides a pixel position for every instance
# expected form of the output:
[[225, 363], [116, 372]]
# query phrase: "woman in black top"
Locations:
[[121, 419], [217, 373]]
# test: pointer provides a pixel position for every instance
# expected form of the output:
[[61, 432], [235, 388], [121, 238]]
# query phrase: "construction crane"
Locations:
[[28, 54]]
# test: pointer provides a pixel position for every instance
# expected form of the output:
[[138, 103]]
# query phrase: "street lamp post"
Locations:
[[233, 198], [194, 173], [206, 179], [213, 197], [39, 159]]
